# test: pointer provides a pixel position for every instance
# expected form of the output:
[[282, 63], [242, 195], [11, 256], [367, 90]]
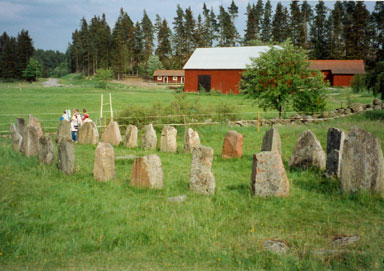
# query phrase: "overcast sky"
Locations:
[[51, 22]]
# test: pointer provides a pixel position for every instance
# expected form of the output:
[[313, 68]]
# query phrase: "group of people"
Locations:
[[76, 121]]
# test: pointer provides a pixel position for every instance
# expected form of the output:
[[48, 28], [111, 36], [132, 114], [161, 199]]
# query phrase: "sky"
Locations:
[[51, 22]]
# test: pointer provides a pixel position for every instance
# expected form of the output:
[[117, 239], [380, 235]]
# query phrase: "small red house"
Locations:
[[338, 72], [219, 68], [169, 76]]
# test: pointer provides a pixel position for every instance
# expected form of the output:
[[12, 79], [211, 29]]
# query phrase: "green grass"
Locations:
[[50, 221]]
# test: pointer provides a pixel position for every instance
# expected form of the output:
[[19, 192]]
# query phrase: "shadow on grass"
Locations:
[[375, 115], [240, 188], [312, 180]]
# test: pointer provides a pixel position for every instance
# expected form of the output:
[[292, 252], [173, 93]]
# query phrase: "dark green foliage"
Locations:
[[336, 34], [280, 78], [103, 76], [32, 71], [24, 51], [148, 35], [154, 63], [358, 83], [278, 21], [61, 70], [375, 79], [318, 33], [228, 34], [49, 61], [266, 27], [164, 49], [378, 19], [295, 23], [8, 56]]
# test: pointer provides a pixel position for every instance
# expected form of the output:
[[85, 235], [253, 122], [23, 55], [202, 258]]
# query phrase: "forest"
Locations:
[[346, 31]]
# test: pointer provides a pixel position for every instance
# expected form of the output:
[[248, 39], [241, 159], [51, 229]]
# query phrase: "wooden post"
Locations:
[[110, 103], [258, 121]]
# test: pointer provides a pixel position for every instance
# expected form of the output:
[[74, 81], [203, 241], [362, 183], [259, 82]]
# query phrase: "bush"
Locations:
[[182, 108], [103, 76], [61, 70], [358, 83]]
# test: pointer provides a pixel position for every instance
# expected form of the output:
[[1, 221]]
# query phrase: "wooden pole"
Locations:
[[258, 121], [110, 103]]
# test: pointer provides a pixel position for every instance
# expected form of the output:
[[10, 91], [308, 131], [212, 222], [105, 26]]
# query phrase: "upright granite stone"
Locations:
[[272, 141], [201, 178], [63, 131], [168, 142], [335, 142], [232, 145], [147, 172], [16, 137], [268, 175], [30, 142], [104, 165], [66, 153], [149, 139], [88, 133], [362, 163], [46, 150], [20, 126], [130, 139], [308, 152], [191, 140], [112, 134], [33, 121]]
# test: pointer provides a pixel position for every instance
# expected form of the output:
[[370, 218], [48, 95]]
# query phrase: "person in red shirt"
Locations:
[[84, 116]]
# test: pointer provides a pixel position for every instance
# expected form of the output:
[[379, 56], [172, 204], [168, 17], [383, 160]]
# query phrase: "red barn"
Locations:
[[219, 68], [338, 72], [169, 76]]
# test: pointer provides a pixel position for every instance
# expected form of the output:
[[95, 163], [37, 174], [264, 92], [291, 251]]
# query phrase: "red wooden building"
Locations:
[[219, 68], [169, 76], [338, 72]]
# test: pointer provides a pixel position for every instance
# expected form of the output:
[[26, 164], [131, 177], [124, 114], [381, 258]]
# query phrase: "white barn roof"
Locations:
[[223, 58]]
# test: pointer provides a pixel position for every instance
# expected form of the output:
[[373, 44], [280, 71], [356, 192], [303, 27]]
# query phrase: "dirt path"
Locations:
[[52, 82]]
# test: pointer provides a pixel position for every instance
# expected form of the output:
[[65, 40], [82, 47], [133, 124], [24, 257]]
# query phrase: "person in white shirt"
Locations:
[[75, 124], [64, 117]]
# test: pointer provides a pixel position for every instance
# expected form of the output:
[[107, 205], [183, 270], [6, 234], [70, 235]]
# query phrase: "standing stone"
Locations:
[[30, 142], [362, 163], [201, 178], [33, 121], [17, 138], [130, 139], [88, 133], [272, 141], [149, 139], [112, 134], [46, 150], [66, 156], [104, 166], [20, 126], [308, 152], [147, 172], [268, 175], [335, 142], [63, 131], [191, 140], [168, 142], [233, 145]]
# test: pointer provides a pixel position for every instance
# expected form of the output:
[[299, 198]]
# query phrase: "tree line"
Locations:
[[348, 31]]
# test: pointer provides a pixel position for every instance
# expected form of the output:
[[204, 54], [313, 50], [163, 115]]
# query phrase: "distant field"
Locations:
[[50, 221]]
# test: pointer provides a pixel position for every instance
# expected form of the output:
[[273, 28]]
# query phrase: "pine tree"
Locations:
[[119, 56], [250, 31], [295, 23], [213, 28], [227, 30], [349, 8], [164, 48], [32, 71], [85, 47], [318, 33], [9, 56], [277, 23], [233, 11], [307, 13], [259, 11], [360, 23], [199, 33], [189, 32], [336, 38], [378, 18], [266, 34], [24, 51], [179, 37], [138, 48], [148, 32]]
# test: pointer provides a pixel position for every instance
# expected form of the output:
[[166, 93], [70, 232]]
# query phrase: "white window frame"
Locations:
[[174, 78], [159, 78]]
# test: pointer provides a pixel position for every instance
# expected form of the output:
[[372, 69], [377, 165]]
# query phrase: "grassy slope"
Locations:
[[50, 221]]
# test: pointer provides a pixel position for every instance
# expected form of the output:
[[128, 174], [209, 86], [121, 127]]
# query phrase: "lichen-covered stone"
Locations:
[[168, 141], [112, 134], [149, 139], [201, 178], [30, 142], [147, 172], [88, 133], [104, 165], [16, 137], [66, 153], [191, 140], [335, 142], [272, 141], [233, 145], [362, 163], [130, 139], [46, 150], [268, 175], [63, 131]]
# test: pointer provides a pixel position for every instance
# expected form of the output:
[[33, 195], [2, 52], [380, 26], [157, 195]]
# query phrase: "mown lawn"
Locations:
[[50, 221]]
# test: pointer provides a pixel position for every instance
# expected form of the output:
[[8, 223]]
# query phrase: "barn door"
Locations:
[[204, 82]]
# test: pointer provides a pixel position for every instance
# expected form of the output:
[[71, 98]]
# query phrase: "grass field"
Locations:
[[50, 221]]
